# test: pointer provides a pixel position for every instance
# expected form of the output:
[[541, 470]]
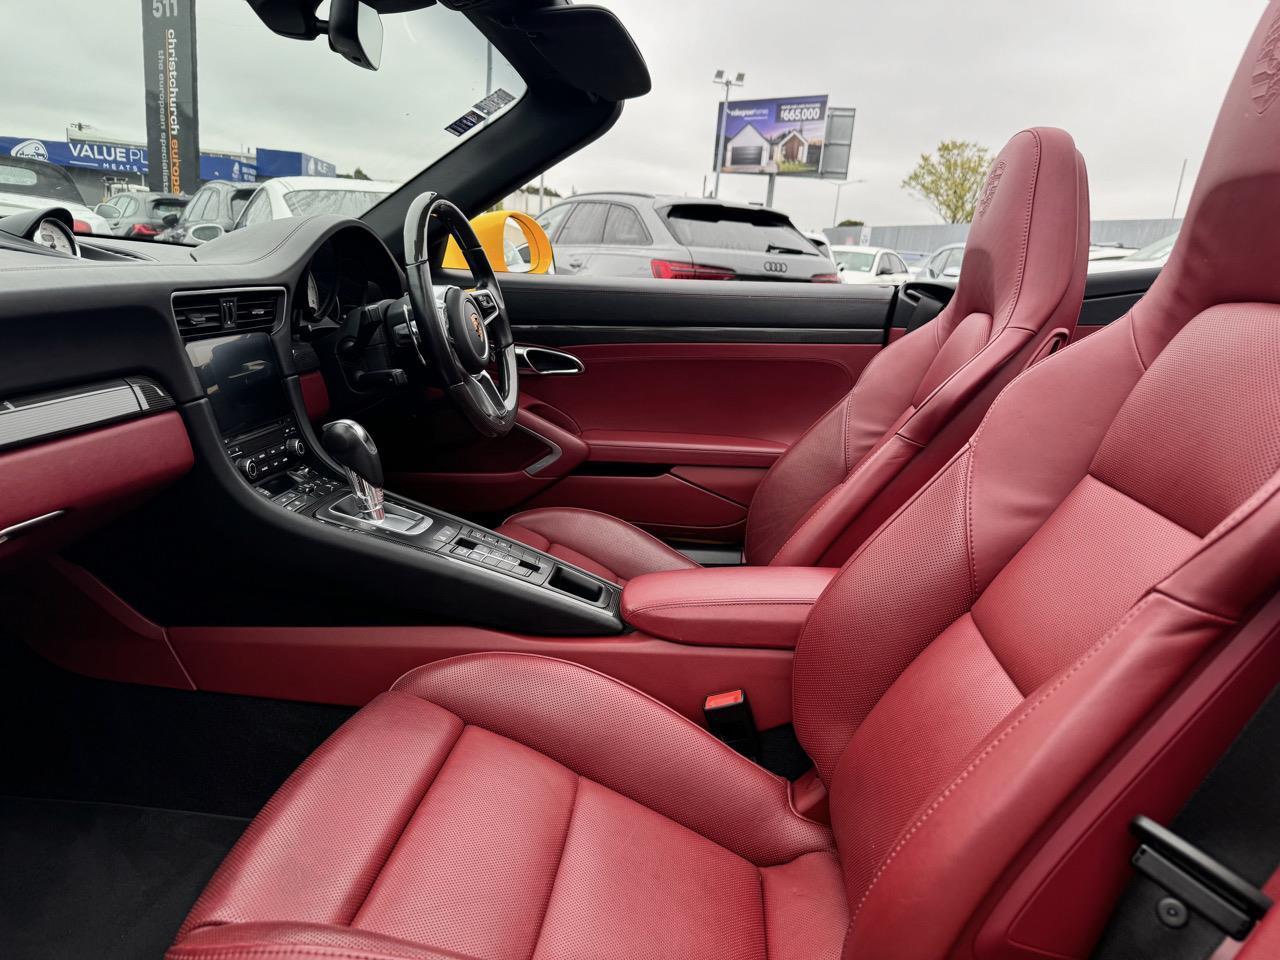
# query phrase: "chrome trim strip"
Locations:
[[18, 529], [554, 454]]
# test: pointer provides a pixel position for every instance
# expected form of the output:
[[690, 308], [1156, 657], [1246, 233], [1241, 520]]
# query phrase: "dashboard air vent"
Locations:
[[197, 314], [255, 311], [233, 311]]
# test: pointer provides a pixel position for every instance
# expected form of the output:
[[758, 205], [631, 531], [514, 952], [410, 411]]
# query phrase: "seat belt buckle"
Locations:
[[1195, 881], [729, 719]]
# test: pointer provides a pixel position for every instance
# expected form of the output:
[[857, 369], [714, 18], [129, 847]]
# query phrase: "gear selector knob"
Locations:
[[350, 444]]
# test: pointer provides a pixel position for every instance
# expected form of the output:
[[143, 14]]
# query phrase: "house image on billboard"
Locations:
[[750, 151]]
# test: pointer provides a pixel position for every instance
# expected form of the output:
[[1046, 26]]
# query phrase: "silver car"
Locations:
[[679, 238]]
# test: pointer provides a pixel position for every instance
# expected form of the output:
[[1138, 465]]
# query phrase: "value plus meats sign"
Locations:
[[173, 119]]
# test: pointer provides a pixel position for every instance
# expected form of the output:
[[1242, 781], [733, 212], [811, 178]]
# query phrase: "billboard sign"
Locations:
[[785, 136], [291, 163], [169, 70]]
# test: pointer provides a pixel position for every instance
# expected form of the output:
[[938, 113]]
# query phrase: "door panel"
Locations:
[[769, 392], [689, 391]]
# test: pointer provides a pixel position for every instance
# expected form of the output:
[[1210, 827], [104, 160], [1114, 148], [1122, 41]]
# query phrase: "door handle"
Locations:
[[545, 362], [575, 263]]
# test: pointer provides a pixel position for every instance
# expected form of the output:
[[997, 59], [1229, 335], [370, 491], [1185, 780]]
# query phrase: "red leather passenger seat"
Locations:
[[1023, 280], [979, 657]]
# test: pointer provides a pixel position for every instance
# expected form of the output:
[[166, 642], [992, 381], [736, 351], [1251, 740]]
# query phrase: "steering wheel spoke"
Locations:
[[464, 330]]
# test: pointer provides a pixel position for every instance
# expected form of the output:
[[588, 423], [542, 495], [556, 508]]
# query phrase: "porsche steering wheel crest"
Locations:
[[465, 331]]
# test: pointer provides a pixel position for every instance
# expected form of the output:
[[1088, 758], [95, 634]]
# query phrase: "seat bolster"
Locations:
[[299, 941], [316, 848], [806, 913], [625, 740], [597, 542]]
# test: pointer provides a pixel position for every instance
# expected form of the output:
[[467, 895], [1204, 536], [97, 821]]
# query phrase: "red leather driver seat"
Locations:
[[978, 658], [1022, 283]]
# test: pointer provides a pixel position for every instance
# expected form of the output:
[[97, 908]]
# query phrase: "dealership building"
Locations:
[[102, 167]]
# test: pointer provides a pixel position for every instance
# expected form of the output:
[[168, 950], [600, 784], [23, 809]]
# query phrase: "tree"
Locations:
[[950, 179], [851, 223]]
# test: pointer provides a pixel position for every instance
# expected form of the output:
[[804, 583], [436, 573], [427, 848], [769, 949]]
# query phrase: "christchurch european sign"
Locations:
[[787, 136], [169, 70]]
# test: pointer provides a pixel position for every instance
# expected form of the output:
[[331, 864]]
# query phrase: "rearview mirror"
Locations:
[[107, 211], [512, 241], [355, 31], [170, 220], [204, 232]]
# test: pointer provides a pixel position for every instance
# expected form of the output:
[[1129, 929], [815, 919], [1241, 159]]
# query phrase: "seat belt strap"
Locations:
[[1199, 880]]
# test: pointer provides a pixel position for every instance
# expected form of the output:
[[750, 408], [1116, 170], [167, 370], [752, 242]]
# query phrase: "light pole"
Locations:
[[728, 83], [835, 213]]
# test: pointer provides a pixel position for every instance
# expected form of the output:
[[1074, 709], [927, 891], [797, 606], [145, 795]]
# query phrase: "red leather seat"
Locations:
[[1022, 282], [979, 657]]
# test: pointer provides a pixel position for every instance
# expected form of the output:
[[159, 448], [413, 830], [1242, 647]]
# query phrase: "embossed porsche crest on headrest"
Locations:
[[1265, 81], [989, 191]]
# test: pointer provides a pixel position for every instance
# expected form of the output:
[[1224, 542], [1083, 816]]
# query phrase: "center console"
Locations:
[[338, 483]]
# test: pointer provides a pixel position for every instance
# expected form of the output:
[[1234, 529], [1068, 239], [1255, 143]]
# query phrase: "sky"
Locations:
[[1137, 82]]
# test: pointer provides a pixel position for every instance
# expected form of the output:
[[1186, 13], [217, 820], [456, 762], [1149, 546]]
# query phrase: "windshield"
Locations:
[[262, 105], [854, 260], [32, 178], [1159, 250]]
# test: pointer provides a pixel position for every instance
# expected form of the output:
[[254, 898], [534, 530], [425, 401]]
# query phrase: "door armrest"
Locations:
[[725, 607]]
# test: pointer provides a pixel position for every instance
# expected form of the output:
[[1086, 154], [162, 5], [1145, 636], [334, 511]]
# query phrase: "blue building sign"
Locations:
[[131, 158], [290, 163]]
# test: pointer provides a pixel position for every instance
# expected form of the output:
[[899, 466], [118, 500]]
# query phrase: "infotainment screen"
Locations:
[[242, 380]]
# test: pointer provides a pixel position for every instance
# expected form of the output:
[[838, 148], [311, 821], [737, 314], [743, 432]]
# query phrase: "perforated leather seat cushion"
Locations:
[[483, 825]]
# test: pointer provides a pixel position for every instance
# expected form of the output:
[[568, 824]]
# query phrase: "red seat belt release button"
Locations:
[[729, 719]]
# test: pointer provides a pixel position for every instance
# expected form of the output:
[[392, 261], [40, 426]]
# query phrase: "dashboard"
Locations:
[[83, 319]]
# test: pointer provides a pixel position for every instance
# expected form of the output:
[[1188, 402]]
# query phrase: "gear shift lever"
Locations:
[[350, 444]]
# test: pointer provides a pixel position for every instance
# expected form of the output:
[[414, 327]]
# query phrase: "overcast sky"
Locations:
[[1138, 82]]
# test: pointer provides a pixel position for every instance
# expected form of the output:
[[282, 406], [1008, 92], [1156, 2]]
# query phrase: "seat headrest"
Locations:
[[1228, 247], [1032, 221]]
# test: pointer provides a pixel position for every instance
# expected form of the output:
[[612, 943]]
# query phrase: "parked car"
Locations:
[[869, 265], [1099, 252], [679, 238], [1152, 255], [820, 241], [283, 197], [27, 184], [140, 214], [943, 263], [915, 260], [211, 212]]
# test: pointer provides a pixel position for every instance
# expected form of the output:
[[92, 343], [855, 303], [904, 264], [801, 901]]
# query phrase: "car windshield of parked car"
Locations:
[[28, 178], [347, 203], [251, 105], [855, 260], [761, 231], [164, 208]]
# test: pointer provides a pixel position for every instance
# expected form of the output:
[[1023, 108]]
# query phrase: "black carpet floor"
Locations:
[[117, 802], [113, 882]]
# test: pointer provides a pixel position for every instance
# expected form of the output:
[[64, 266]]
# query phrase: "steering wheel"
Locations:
[[465, 330]]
